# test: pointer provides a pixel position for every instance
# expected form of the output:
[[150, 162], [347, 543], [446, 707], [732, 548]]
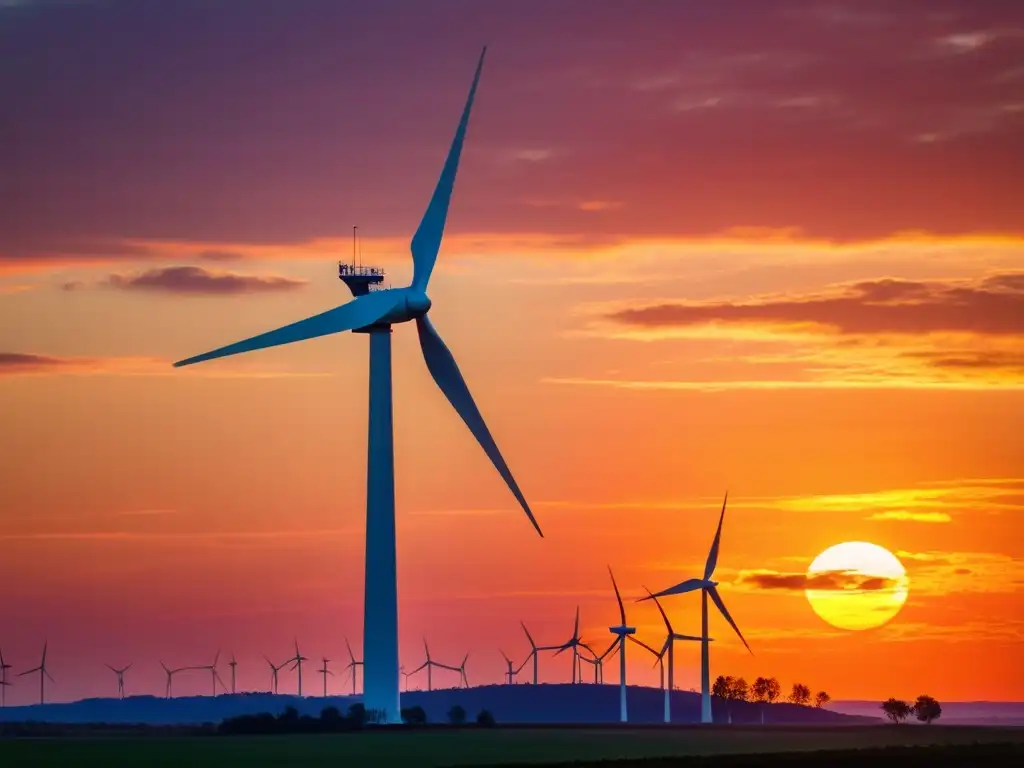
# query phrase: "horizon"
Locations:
[[770, 251]]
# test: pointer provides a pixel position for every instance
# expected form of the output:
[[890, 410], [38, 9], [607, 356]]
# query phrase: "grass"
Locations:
[[472, 747]]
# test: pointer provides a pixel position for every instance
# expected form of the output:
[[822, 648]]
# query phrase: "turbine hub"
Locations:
[[417, 304]]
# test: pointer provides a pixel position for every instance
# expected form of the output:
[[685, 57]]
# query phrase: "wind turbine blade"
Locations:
[[110, 668], [216, 657], [49, 676], [445, 371], [576, 626], [618, 597], [349, 647], [29, 671], [668, 624], [717, 599], [421, 666], [642, 644], [709, 568], [558, 651], [358, 313], [506, 658], [529, 637], [427, 240], [126, 669], [690, 585]]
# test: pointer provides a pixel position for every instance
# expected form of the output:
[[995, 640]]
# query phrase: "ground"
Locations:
[[434, 748]]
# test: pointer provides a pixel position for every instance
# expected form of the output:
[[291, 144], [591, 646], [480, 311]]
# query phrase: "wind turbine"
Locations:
[[274, 669], [4, 666], [214, 677], [429, 665], [669, 648], [534, 648], [511, 672], [659, 658], [374, 312], [351, 667], [43, 674], [170, 677], [325, 672], [574, 644], [708, 588], [232, 664], [298, 658], [621, 631], [120, 678], [461, 669]]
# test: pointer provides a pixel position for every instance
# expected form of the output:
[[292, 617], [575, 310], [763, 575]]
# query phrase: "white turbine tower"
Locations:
[[374, 312], [708, 588], [621, 632], [669, 648]]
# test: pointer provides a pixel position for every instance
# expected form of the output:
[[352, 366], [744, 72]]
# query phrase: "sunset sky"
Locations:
[[770, 248]]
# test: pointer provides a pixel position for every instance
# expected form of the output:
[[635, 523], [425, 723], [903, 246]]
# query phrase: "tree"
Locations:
[[759, 690], [774, 690], [331, 718], [456, 715], [896, 710], [485, 718], [414, 715], [926, 709], [739, 690], [821, 699], [800, 694], [721, 687], [357, 715]]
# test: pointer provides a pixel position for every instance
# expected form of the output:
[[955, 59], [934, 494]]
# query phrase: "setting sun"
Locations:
[[856, 585]]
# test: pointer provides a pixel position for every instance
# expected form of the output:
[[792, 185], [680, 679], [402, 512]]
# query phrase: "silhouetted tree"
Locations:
[[800, 694], [357, 715], [414, 715], [739, 690], [926, 709], [774, 690], [331, 718], [821, 699], [485, 718], [896, 710], [456, 715], [290, 715], [759, 693], [721, 687]]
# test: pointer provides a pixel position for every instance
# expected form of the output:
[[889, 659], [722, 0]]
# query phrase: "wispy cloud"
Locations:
[[130, 536], [194, 280], [903, 515], [826, 581], [31, 364]]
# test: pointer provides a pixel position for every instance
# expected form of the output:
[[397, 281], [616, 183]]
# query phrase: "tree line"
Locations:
[[765, 690], [331, 720]]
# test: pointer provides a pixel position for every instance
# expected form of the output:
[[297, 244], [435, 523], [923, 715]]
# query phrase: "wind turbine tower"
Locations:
[[374, 312], [120, 678], [534, 648], [274, 669], [43, 674], [708, 588], [4, 666], [511, 673], [621, 631], [429, 665], [574, 644], [325, 672], [298, 658], [214, 677], [170, 677], [669, 647]]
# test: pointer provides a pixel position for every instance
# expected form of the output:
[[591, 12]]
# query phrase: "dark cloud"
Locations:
[[196, 280], [824, 581], [1010, 362], [993, 306], [220, 256], [12, 363], [963, 571]]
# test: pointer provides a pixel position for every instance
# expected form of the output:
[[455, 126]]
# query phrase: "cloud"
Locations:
[[131, 536], [916, 517], [993, 305], [823, 581], [30, 364], [216, 255], [199, 281]]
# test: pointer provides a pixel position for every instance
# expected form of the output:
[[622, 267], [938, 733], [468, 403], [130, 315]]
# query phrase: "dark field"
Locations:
[[481, 747]]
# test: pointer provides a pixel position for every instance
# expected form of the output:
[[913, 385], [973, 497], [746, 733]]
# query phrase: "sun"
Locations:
[[857, 585]]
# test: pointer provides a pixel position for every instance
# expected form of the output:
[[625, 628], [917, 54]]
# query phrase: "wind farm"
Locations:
[[727, 303]]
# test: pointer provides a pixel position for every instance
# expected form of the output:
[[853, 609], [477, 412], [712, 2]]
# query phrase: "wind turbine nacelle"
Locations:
[[623, 630], [411, 305]]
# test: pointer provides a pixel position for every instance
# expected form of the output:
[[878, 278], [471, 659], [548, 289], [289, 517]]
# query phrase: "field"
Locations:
[[434, 748]]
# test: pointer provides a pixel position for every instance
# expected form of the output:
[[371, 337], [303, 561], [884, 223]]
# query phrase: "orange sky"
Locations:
[[841, 387]]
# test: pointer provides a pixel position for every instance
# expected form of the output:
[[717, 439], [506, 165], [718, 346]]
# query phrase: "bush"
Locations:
[[456, 715], [485, 718]]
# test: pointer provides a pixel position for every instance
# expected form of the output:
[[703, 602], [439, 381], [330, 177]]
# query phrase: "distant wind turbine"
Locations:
[[120, 678], [232, 664], [374, 312], [708, 588], [461, 669], [298, 658], [170, 677], [534, 648], [325, 672], [511, 673], [658, 655], [274, 669], [597, 660], [43, 674], [669, 647], [621, 631], [429, 665], [352, 665], [4, 666], [573, 643], [214, 677]]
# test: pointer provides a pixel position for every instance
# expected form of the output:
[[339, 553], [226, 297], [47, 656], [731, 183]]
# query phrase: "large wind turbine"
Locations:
[[374, 312], [621, 632], [669, 647], [708, 588], [43, 674]]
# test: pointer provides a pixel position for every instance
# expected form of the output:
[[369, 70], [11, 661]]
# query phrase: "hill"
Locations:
[[526, 704], [953, 712]]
